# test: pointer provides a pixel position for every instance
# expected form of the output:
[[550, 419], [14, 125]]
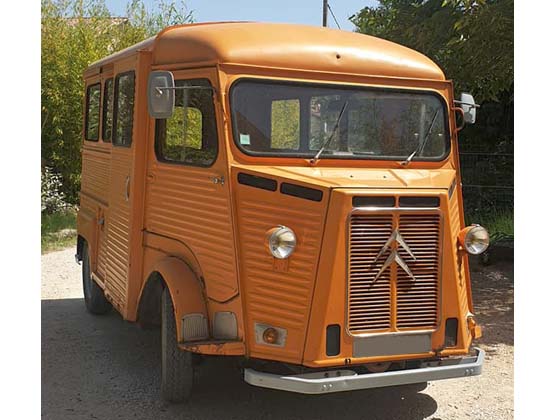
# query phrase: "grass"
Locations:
[[499, 225], [58, 231]]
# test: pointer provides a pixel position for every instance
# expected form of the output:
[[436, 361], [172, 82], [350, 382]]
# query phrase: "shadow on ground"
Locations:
[[492, 288], [101, 367]]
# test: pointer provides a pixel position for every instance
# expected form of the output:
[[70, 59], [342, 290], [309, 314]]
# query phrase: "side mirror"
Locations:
[[161, 94], [469, 108]]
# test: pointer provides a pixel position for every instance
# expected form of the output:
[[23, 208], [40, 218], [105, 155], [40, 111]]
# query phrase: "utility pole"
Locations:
[[325, 11]]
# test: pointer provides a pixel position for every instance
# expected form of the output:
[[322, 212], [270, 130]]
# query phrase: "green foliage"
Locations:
[[52, 197], [499, 224], [183, 140], [58, 230], [284, 131], [184, 128], [471, 40], [75, 33]]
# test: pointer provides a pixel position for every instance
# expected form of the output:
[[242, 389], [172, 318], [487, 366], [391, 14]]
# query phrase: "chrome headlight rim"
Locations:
[[476, 240], [281, 242]]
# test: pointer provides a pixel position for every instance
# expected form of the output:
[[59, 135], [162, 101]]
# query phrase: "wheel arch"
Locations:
[[185, 287], [86, 223]]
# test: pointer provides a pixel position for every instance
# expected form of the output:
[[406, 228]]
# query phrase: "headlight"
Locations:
[[475, 239], [281, 241]]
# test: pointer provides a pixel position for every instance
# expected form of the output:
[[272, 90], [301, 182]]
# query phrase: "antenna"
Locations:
[[332, 14], [325, 12]]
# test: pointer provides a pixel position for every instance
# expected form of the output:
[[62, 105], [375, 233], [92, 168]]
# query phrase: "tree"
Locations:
[[472, 40], [74, 34]]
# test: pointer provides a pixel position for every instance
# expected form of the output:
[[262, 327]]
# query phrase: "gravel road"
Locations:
[[106, 368]]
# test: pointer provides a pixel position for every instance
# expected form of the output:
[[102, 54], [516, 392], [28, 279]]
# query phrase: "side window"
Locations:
[[107, 110], [284, 124], [93, 97], [124, 109], [189, 136]]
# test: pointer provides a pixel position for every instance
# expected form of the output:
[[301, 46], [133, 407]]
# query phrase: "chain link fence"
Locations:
[[487, 182]]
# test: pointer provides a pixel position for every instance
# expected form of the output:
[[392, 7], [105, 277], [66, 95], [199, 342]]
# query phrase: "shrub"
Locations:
[[52, 198], [75, 33]]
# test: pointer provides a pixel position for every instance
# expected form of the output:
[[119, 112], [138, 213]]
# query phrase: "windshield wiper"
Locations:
[[422, 142], [326, 144]]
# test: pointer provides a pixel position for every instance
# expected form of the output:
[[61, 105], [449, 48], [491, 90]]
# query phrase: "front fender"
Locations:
[[186, 291]]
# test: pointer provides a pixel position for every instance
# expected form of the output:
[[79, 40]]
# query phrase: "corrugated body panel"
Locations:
[[278, 292], [118, 229], [95, 174], [455, 226], [102, 253], [183, 203]]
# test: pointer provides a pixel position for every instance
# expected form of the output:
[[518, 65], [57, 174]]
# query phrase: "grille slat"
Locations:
[[395, 301]]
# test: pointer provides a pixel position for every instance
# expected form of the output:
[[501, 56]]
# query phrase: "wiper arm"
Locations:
[[422, 142], [326, 144]]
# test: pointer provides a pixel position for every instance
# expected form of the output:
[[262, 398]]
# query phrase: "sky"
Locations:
[[309, 12]]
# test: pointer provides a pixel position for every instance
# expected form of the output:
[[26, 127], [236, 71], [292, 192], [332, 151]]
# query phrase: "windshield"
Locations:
[[281, 119]]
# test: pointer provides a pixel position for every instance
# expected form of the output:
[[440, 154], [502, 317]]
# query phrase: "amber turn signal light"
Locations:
[[270, 336]]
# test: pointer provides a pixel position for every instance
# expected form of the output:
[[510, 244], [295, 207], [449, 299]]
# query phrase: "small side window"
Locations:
[[124, 109], [93, 98], [189, 136], [107, 110]]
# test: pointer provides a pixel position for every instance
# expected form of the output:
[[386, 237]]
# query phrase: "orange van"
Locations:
[[289, 195]]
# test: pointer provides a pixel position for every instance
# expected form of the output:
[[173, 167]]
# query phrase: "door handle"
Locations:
[[127, 188], [218, 180]]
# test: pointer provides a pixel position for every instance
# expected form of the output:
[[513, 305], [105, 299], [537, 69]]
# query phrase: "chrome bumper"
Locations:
[[348, 380]]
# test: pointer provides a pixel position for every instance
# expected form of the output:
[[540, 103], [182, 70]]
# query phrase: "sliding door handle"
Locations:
[[127, 188]]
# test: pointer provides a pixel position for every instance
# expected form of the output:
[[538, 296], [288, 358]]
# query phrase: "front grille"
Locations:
[[394, 301]]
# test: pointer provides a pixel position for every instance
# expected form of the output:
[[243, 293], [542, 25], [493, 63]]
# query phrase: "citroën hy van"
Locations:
[[285, 194]]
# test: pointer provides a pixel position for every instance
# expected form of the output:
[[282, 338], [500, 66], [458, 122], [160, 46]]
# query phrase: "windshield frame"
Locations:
[[342, 86]]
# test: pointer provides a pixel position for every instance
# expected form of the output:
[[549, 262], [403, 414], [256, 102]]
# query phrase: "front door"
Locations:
[[187, 196]]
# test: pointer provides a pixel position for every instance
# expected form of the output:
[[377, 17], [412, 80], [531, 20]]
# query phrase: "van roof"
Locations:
[[286, 46]]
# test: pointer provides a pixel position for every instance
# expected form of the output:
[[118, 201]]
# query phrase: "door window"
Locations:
[[92, 112], [189, 136], [108, 110], [124, 109]]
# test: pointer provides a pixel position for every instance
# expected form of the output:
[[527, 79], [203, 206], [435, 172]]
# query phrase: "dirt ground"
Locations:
[[106, 368]]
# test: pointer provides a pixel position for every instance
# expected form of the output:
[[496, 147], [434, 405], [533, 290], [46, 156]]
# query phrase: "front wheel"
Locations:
[[176, 364]]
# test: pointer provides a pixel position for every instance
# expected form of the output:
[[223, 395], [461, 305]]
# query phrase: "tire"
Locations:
[[94, 298], [176, 364]]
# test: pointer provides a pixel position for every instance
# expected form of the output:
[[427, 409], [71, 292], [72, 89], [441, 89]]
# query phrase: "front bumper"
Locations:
[[348, 380]]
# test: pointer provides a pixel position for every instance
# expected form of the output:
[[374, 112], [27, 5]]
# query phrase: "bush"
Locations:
[[75, 33], [499, 224], [52, 197]]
